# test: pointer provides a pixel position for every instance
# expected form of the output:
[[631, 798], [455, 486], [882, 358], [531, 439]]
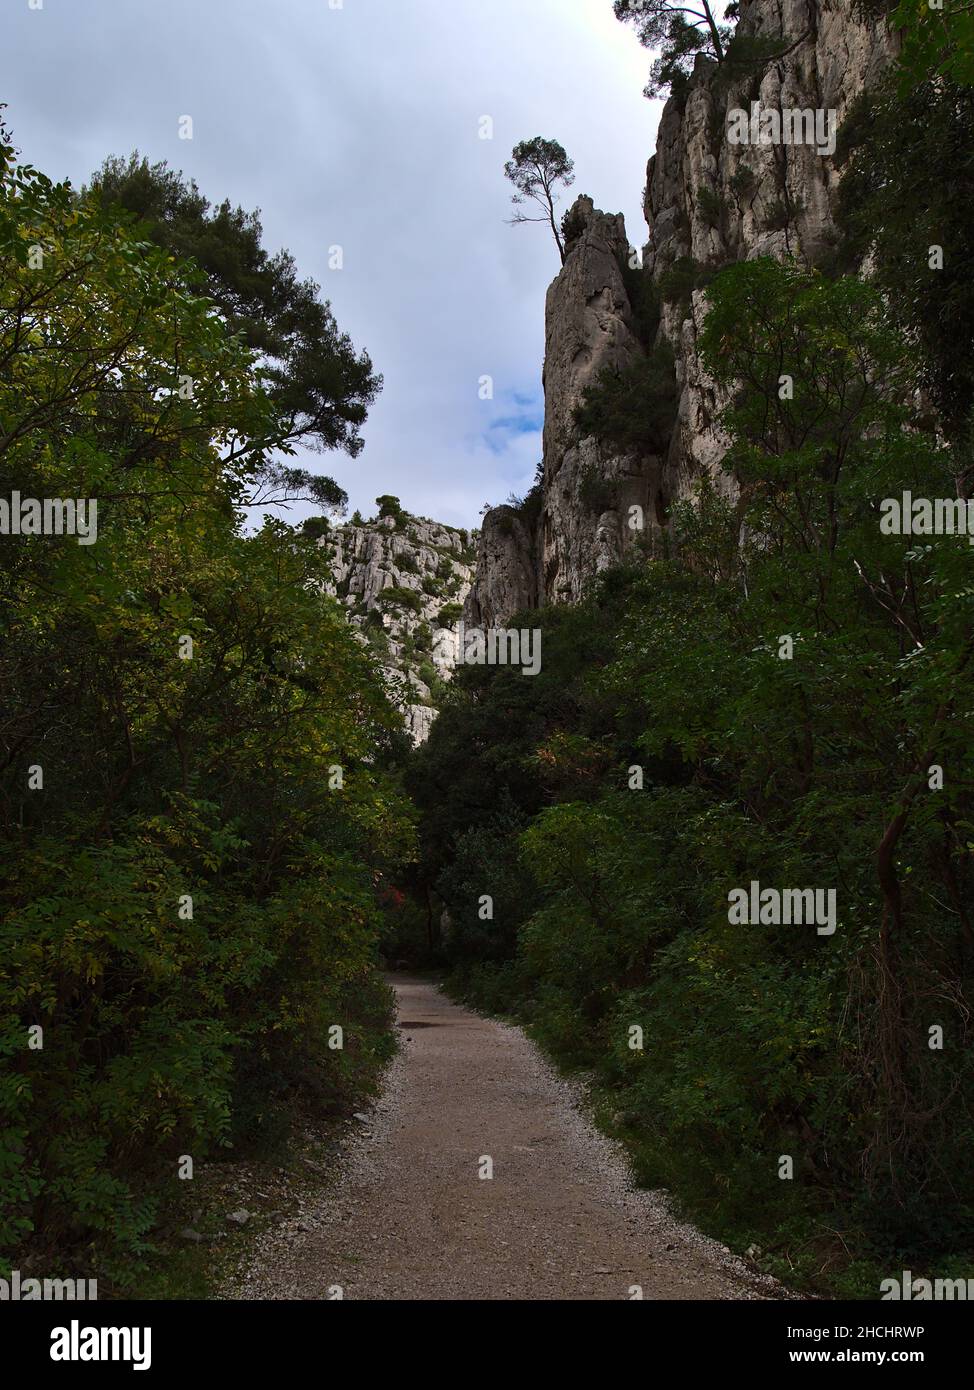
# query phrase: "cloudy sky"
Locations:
[[356, 123]]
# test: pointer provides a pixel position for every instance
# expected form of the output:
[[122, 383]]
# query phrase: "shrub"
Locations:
[[678, 282], [396, 597], [316, 527], [632, 411], [391, 506], [596, 493], [710, 206]]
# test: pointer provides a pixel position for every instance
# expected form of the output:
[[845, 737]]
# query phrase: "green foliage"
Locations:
[[908, 187], [743, 183], [680, 33], [170, 772], [632, 410], [391, 506], [644, 301], [757, 1040], [747, 56], [936, 43], [710, 206], [322, 387], [536, 169], [449, 614], [678, 282], [596, 492], [781, 213], [528, 508], [316, 527], [397, 597]]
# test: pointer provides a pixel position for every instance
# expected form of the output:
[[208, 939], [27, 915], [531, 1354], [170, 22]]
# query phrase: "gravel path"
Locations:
[[412, 1218]]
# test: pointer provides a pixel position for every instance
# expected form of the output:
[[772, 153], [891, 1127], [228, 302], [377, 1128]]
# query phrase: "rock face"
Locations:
[[589, 328], [404, 581], [505, 581], [714, 201], [709, 201]]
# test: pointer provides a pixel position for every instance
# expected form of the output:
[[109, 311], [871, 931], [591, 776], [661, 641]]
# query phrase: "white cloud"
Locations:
[[359, 127]]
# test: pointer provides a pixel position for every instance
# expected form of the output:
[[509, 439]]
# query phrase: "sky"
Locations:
[[357, 124]]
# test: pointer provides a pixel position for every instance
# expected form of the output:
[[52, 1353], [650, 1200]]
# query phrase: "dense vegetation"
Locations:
[[319, 383], [783, 697], [197, 812], [200, 803]]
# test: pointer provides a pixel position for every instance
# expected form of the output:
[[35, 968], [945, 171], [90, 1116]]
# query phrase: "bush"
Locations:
[[391, 506], [743, 183], [596, 493], [710, 206], [677, 284], [449, 614], [189, 905], [632, 411], [396, 597], [316, 527]]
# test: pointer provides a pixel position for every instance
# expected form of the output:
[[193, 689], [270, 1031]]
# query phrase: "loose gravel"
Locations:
[[411, 1217]]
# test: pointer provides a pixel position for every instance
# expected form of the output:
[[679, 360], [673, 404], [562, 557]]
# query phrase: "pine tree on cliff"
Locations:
[[536, 168], [680, 32]]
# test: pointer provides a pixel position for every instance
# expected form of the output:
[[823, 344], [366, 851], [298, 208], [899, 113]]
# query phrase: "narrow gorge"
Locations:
[[562, 899]]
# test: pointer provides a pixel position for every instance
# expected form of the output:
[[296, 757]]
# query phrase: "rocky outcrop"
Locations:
[[590, 328], [587, 489], [709, 201], [404, 581], [506, 581], [588, 320]]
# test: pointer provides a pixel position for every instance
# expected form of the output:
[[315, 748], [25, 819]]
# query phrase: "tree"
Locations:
[[840, 757], [390, 506], [535, 169], [315, 527], [321, 385], [937, 43], [680, 31], [905, 200], [188, 903]]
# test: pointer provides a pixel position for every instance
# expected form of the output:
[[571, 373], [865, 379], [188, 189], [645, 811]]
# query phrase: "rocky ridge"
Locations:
[[403, 580], [708, 202]]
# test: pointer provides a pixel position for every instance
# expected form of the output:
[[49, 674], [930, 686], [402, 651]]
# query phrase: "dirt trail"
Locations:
[[412, 1218]]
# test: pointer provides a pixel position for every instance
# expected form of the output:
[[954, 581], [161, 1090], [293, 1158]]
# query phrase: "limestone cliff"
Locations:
[[506, 580], [708, 202], [403, 579], [589, 327]]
